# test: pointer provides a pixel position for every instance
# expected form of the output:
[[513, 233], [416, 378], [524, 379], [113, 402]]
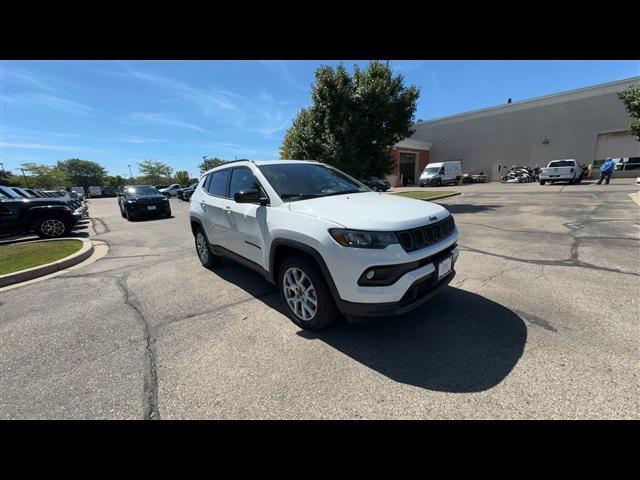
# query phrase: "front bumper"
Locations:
[[347, 265], [568, 176], [142, 210], [421, 291], [427, 181]]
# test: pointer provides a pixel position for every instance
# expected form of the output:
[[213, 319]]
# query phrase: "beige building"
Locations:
[[585, 124]]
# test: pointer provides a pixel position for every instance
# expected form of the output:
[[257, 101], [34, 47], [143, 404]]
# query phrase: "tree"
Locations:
[[631, 99], [209, 163], [115, 181], [43, 176], [182, 177], [354, 120], [83, 173], [154, 171]]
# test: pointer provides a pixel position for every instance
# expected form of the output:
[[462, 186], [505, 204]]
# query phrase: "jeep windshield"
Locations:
[[300, 181], [142, 190]]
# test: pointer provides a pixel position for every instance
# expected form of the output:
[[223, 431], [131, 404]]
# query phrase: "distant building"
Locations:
[[587, 124]]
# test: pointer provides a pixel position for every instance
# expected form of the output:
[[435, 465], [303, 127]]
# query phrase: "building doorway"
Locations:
[[407, 170]]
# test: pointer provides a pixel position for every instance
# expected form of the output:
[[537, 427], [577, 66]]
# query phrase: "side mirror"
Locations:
[[250, 195]]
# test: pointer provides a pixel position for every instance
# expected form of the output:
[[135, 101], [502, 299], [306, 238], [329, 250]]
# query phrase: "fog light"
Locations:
[[370, 274]]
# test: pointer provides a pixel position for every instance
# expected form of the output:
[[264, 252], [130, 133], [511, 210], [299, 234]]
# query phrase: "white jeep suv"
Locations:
[[327, 242]]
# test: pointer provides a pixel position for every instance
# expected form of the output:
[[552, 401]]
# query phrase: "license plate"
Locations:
[[444, 267], [151, 207]]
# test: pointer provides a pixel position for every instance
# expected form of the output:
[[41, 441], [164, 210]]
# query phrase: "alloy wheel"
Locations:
[[300, 294], [52, 227], [203, 249]]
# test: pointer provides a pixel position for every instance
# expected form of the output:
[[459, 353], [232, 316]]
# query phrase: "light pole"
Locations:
[[25, 178], [130, 175]]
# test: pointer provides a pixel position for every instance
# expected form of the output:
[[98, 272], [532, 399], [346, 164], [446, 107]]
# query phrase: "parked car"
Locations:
[[436, 174], [109, 191], [160, 187], [171, 190], [326, 241], [377, 185], [80, 191], [46, 217], [181, 192], [561, 171], [139, 201], [95, 192]]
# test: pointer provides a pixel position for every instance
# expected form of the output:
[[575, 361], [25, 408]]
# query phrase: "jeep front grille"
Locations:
[[417, 238]]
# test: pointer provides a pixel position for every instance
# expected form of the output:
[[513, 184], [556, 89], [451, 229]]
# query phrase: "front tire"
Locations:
[[207, 258], [305, 294], [542, 182], [52, 226]]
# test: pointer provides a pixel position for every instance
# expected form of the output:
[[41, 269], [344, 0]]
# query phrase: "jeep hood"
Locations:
[[371, 211]]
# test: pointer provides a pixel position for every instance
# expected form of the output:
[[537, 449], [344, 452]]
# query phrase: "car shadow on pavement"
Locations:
[[469, 208], [457, 342]]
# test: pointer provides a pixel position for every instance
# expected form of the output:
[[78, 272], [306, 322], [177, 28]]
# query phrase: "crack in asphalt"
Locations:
[[102, 223], [574, 258], [214, 310], [553, 263], [150, 375]]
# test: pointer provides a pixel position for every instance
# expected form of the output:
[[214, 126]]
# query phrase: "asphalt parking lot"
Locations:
[[541, 322]]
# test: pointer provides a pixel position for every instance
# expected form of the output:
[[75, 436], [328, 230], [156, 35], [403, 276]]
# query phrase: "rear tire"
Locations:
[[207, 258], [311, 297], [52, 226]]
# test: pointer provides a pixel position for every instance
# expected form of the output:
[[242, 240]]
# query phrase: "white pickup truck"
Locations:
[[561, 171]]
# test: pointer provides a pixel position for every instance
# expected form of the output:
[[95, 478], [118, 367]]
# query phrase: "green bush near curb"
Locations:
[[21, 256]]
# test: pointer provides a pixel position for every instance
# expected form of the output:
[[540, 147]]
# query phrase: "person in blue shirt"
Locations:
[[606, 169]]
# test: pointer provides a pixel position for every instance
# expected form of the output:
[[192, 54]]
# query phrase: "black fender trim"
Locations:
[[310, 251], [192, 220]]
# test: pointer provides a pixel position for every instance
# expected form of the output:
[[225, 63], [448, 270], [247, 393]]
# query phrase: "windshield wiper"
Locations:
[[300, 196]]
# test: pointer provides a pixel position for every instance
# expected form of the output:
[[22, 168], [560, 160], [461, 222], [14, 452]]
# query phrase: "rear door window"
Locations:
[[217, 184]]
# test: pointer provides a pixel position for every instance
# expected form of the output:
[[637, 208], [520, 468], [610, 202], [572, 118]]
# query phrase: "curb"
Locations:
[[30, 273], [635, 197], [437, 197]]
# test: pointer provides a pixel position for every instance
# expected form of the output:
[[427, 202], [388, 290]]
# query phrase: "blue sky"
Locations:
[[119, 113]]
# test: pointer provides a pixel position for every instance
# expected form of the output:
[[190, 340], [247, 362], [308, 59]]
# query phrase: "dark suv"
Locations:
[[143, 201], [47, 217]]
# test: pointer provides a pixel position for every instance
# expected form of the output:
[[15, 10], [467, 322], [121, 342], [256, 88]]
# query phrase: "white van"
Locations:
[[441, 173]]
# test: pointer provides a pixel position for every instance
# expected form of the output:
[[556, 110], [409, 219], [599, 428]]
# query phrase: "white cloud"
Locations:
[[46, 146], [45, 100], [138, 118]]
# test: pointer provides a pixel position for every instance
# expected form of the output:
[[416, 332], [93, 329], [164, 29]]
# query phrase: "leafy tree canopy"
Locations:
[[182, 177], [631, 99], [354, 120], [83, 173], [154, 171], [209, 163]]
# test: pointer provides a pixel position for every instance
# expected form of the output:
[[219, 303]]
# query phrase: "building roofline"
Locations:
[[534, 102]]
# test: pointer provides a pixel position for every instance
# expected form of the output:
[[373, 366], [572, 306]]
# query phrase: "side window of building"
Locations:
[[217, 184], [242, 179]]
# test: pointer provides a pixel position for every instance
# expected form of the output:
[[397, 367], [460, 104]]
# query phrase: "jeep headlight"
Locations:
[[363, 239]]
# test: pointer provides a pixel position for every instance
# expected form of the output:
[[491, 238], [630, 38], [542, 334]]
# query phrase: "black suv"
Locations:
[[143, 201], [47, 217], [377, 185]]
